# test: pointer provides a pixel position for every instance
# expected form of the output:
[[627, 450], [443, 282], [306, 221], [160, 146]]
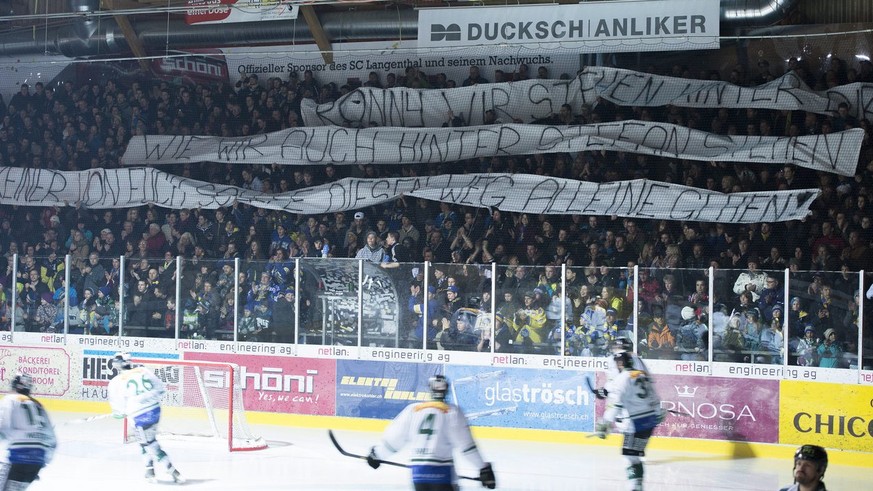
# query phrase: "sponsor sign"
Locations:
[[830, 415], [278, 384], [228, 11], [49, 368], [523, 398], [373, 389], [590, 26], [719, 408], [96, 372]]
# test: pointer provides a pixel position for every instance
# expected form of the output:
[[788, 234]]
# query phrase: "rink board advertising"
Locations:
[[523, 397], [831, 415], [282, 384], [380, 390]]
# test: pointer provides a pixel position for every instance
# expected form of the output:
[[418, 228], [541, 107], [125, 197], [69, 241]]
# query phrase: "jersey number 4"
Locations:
[[426, 426]]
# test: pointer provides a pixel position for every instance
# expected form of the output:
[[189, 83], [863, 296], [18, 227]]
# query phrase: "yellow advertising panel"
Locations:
[[831, 415]]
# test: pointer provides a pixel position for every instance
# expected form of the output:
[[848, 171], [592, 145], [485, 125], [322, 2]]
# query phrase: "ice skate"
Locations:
[[177, 476]]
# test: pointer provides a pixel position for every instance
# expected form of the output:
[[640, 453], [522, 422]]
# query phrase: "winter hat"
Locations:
[[687, 313], [828, 332], [453, 289], [47, 297], [105, 291], [809, 328], [359, 215], [776, 307]]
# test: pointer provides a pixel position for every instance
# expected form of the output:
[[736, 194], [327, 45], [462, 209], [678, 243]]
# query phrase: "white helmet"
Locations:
[[439, 387]]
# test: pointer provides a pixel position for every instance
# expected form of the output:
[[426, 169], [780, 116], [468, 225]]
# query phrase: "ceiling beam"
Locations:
[[318, 33], [130, 35]]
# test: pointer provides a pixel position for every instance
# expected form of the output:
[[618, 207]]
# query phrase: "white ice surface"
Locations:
[[91, 456]]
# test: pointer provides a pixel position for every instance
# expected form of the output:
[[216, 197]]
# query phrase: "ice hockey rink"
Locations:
[[91, 453]]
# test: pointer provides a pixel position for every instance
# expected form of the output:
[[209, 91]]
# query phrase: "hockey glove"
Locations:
[[602, 429], [372, 460], [486, 475], [600, 393]]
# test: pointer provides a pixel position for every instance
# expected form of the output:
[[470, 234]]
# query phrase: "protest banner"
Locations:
[[835, 152], [527, 101], [122, 188]]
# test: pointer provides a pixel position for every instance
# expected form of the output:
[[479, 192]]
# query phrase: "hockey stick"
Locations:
[[86, 420], [600, 395], [386, 462]]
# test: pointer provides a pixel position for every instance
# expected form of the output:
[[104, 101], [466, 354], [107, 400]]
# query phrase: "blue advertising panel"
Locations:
[[523, 398], [377, 389]]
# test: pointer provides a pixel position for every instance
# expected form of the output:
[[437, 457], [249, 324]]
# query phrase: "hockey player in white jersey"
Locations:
[[135, 392], [618, 345], [631, 398], [27, 438], [434, 428]]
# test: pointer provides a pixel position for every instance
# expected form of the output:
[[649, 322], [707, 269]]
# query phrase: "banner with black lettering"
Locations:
[[122, 188], [835, 152], [532, 100]]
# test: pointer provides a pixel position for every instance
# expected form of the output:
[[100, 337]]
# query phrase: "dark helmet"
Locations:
[[621, 343], [813, 453], [624, 358], [439, 387], [121, 361], [22, 383]]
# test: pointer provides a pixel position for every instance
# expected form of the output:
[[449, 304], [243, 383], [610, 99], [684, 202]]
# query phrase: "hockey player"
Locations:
[[619, 345], [810, 464], [135, 392], [27, 437], [631, 397], [435, 428]]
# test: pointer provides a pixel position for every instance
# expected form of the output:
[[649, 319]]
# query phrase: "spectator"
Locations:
[[752, 280], [372, 251], [806, 348], [830, 352]]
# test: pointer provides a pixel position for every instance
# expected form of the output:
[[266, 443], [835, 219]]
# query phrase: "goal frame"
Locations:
[[233, 393]]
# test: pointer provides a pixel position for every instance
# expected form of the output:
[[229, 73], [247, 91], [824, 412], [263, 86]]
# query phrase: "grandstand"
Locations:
[[485, 185]]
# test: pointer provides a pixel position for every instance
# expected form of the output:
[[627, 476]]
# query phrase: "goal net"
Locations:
[[204, 400]]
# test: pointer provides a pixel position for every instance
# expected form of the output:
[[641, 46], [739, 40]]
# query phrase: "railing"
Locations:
[[451, 307]]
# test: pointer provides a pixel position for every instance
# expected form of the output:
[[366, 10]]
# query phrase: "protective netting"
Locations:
[[759, 150]]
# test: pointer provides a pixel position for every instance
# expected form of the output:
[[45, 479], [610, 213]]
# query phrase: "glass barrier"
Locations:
[[819, 325], [146, 301], [461, 322], [867, 313], [7, 285], [823, 319], [329, 302]]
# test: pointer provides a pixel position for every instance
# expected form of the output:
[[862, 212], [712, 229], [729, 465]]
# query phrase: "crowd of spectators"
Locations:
[[75, 126]]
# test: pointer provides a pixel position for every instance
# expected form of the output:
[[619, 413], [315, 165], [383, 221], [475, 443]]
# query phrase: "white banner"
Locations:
[[835, 152], [122, 188], [590, 27], [530, 100]]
